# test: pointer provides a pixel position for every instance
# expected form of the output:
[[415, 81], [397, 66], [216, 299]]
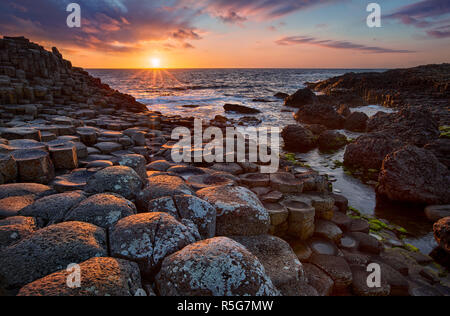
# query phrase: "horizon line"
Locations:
[[287, 68]]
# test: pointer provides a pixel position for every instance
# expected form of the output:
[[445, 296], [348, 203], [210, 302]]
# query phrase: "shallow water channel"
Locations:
[[363, 197]]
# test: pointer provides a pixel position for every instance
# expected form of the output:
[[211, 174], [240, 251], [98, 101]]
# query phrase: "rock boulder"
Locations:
[[49, 250], [298, 139], [100, 277], [214, 267], [414, 175], [148, 238]]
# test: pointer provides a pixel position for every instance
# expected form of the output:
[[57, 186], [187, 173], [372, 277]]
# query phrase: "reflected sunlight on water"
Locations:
[[168, 91]]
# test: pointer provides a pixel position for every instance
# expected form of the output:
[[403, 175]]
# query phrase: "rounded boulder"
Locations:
[[103, 210], [148, 238], [214, 267], [49, 250], [121, 180], [100, 277]]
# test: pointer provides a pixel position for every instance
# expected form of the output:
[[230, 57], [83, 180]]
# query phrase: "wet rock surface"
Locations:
[[437, 212]]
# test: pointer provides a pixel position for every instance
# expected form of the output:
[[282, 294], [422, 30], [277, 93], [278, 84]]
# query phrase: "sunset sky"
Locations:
[[236, 33]]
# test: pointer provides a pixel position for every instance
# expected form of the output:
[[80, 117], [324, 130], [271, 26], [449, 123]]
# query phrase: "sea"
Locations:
[[202, 93], [174, 91]]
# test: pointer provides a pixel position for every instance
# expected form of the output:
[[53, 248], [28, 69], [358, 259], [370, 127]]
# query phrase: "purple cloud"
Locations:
[[108, 25], [440, 32], [183, 34], [238, 11], [422, 14], [232, 17], [299, 40]]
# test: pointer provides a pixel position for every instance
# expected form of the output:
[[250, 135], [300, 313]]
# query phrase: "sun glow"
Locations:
[[155, 62]]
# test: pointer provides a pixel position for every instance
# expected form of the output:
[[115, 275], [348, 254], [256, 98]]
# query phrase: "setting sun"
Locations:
[[155, 62]]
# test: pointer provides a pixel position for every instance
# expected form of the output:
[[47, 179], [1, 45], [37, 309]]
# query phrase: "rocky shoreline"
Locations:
[[87, 178]]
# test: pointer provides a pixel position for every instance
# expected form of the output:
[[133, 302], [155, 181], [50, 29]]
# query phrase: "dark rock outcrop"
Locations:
[[240, 109], [415, 126], [344, 110], [395, 88], [298, 139], [281, 95], [332, 140], [415, 175], [441, 149], [369, 151], [356, 122], [320, 113], [44, 77], [300, 98]]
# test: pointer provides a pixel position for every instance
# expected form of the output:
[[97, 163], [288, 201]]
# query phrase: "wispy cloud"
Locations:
[[238, 11], [440, 32], [422, 14], [183, 34], [305, 40], [232, 17]]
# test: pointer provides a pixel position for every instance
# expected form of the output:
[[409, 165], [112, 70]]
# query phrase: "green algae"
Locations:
[[411, 248], [290, 157], [445, 131]]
